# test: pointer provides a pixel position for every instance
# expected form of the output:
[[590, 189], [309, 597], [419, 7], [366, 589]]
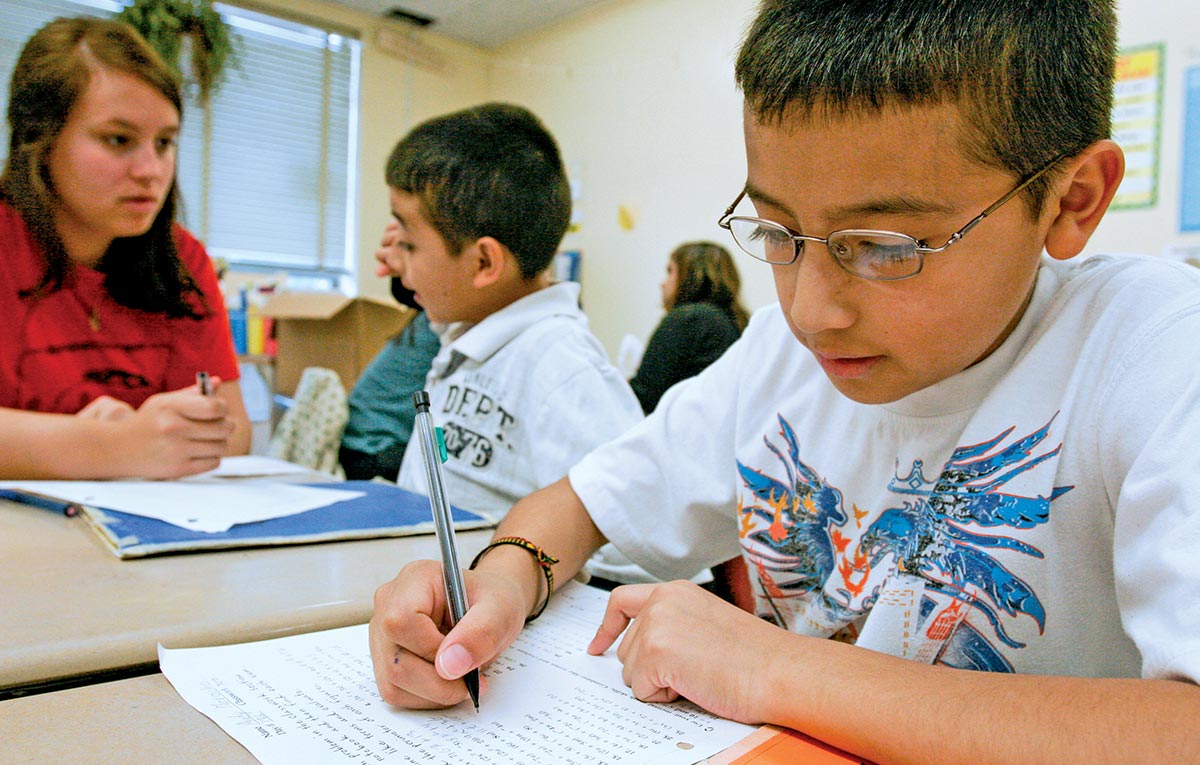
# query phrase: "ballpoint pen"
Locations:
[[204, 383], [67, 507], [456, 592]]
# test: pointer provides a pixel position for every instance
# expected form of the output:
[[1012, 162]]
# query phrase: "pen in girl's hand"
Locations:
[[204, 383]]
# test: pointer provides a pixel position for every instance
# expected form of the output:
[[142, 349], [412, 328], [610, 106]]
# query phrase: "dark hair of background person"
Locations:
[[705, 273], [51, 75], [1032, 79], [491, 170]]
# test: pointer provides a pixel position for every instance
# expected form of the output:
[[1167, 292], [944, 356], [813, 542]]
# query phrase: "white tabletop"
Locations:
[[72, 609]]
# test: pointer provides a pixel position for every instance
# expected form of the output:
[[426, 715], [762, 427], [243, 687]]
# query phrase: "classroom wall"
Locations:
[[649, 125], [640, 94]]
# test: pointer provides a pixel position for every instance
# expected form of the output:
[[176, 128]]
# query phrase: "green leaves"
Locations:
[[167, 23]]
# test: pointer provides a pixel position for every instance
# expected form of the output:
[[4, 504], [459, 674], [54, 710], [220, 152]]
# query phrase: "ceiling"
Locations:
[[488, 23]]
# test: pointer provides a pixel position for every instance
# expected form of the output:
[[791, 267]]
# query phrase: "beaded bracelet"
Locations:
[[543, 560]]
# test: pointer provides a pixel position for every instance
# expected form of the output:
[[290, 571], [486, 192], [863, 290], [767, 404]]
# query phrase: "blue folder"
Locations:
[[385, 510]]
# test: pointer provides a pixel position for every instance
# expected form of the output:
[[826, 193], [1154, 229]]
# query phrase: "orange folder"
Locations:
[[789, 747]]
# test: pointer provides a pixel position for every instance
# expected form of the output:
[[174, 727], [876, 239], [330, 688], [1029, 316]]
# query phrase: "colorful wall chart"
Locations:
[[1137, 123]]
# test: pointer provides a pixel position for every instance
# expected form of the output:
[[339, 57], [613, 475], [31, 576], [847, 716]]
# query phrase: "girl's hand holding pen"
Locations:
[[176, 434], [418, 664]]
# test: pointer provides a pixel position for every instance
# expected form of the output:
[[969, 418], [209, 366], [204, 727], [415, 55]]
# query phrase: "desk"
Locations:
[[140, 720], [73, 611]]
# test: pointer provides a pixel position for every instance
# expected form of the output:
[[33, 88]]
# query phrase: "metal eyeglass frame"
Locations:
[[918, 247]]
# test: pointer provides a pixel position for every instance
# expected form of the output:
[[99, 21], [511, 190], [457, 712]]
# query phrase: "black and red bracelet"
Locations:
[[543, 560]]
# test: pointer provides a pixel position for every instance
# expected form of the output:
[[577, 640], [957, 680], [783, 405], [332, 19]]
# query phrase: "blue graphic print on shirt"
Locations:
[[800, 541]]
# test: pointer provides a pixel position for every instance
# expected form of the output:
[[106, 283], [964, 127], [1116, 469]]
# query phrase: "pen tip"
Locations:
[[472, 681]]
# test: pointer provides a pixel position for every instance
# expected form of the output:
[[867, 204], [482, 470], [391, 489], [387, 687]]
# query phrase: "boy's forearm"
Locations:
[[555, 520], [897, 711]]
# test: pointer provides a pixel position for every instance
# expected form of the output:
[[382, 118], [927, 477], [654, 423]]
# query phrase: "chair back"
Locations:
[[731, 580], [310, 432]]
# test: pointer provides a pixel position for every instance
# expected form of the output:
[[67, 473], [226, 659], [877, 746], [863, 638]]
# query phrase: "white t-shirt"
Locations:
[[1038, 512], [521, 397]]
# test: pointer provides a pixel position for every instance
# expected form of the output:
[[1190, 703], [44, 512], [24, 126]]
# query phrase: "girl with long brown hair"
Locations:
[[108, 308]]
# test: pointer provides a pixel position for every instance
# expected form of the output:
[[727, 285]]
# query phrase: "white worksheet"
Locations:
[[210, 506], [312, 699], [258, 466]]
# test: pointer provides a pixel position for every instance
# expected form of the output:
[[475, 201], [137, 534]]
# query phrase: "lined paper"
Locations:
[[312, 698]]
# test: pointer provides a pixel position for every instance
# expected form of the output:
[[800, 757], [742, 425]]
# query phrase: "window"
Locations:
[[268, 170]]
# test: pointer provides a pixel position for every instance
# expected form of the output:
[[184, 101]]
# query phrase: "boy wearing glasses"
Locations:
[[978, 458]]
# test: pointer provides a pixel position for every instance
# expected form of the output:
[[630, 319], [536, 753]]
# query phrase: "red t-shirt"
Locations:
[[60, 352]]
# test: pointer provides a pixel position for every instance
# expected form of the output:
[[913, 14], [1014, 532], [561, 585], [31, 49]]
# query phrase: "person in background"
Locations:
[[704, 317], [108, 308], [381, 408], [958, 460]]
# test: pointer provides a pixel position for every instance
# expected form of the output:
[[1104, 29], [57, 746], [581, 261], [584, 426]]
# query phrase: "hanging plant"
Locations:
[[167, 24]]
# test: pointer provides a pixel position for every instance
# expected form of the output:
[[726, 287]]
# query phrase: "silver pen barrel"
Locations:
[[443, 523]]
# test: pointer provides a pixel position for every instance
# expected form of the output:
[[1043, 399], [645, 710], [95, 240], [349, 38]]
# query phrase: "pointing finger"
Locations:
[[624, 605]]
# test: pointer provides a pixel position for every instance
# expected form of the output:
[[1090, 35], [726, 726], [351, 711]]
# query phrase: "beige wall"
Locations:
[[640, 95]]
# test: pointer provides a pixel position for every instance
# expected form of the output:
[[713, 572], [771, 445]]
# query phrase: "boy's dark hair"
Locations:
[[1032, 78], [52, 73], [491, 170]]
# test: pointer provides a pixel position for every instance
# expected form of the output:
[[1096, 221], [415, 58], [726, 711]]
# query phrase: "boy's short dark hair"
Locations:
[[491, 170], [1033, 78]]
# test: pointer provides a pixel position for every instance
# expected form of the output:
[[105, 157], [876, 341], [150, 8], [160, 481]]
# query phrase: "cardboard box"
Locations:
[[322, 329]]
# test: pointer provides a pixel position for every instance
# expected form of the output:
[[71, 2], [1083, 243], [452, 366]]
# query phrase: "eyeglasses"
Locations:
[[877, 255]]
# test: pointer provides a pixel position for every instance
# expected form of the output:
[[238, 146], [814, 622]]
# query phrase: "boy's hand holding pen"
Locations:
[[432, 449]]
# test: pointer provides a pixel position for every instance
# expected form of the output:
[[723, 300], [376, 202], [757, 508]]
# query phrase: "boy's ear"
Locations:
[[493, 260], [1088, 190]]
